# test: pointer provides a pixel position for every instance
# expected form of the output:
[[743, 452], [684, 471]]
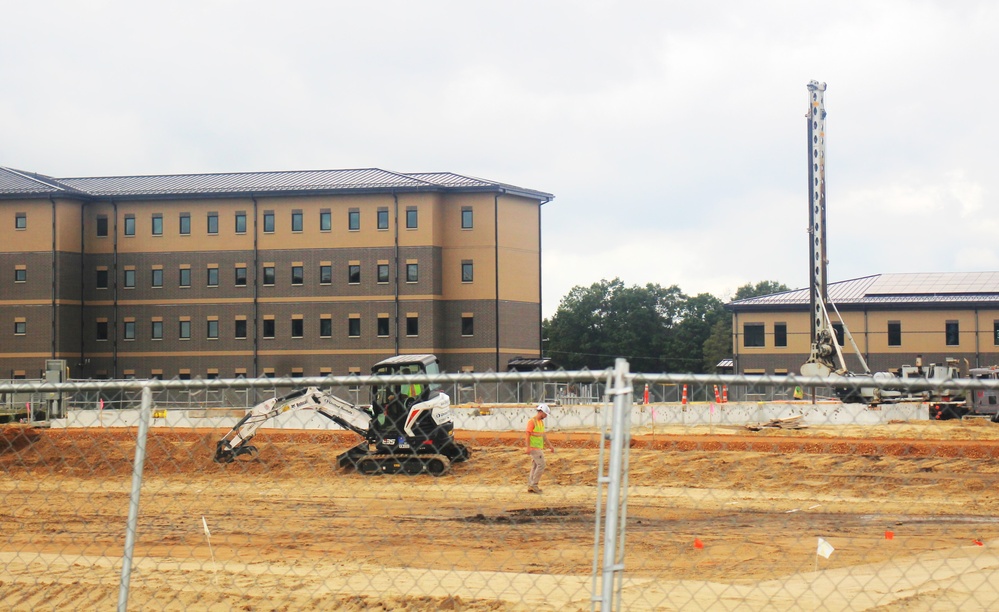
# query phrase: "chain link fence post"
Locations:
[[616, 479], [133, 502]]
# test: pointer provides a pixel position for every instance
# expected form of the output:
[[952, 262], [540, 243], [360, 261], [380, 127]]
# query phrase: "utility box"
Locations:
[[55, 372]]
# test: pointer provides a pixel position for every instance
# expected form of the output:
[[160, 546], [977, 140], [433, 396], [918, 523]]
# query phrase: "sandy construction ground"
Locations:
[[290, 531]]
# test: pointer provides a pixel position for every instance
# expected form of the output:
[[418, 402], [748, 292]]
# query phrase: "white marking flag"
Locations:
[[208, 534], [825, 548]]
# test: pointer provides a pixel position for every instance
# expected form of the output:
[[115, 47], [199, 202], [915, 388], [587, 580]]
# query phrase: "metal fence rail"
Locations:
[[758, 502]]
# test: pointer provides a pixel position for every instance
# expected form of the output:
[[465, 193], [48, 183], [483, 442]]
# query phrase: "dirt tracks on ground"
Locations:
[[290, 530]]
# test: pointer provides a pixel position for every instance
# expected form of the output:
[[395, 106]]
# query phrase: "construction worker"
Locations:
[[798, 393], [537, 441], [413, 390]]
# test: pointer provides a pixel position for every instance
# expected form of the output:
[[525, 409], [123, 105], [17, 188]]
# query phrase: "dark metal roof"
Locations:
[[27, 184], [458, 181], [17, 183], [890, 289], [243, 182]]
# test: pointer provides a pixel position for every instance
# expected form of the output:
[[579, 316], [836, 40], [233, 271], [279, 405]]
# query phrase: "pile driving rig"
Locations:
[[408, 429]]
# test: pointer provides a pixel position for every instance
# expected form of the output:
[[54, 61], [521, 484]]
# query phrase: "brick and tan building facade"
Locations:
[[893, 319], [272, 273]]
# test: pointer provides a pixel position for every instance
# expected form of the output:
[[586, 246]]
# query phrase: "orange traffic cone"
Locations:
[[698, 543], [717, 396], [646, 393], [683, 400], [724, 394]]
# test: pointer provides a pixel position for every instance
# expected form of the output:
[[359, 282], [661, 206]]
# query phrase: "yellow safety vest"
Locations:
[[537, 433], [412, 390]]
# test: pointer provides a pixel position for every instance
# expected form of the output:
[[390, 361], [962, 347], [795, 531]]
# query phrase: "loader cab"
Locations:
[[390, 403]]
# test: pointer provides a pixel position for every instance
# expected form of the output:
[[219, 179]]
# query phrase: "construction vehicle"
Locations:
[[949, 403], [407, 429], [826, 357]]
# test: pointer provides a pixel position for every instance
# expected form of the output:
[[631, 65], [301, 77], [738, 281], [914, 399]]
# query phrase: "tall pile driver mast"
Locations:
[[824, 345]]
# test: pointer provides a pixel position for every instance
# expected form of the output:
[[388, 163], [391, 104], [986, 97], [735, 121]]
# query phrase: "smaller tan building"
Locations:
[[892, 319]]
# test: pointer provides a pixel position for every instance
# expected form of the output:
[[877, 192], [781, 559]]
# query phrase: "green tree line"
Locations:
[[657, 329]]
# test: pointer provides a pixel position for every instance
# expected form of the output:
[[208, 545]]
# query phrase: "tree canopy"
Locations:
[[657, 329]]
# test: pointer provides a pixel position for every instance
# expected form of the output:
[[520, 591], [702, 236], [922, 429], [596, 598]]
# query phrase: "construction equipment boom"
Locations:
[[409, 428]]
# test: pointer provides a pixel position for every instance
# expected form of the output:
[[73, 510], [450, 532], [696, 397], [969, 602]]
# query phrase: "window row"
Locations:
[[754, 334], [268, 275], [296, 329], [296, 221]]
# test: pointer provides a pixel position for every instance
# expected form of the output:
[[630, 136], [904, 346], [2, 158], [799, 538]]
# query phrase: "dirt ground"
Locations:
[[717, 518]]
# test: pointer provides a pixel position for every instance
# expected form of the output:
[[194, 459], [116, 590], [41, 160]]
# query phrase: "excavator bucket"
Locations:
[[225, 454]]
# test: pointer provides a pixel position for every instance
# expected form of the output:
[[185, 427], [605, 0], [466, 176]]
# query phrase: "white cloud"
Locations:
[[671, 133]]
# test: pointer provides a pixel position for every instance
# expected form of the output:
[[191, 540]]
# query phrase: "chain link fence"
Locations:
[[663, 492]]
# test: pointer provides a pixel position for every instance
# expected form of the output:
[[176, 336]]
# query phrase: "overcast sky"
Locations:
[[671, 133]]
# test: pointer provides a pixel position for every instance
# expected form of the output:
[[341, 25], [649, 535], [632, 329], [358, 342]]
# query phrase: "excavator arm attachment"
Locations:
[[345, 414]]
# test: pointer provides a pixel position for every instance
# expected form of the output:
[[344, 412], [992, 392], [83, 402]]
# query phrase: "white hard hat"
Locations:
[[544, 408]]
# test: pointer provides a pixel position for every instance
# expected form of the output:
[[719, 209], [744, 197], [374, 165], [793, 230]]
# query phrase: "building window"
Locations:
[[466, 271], [383, 273], [894, 333], [213, 223], [129, 330], [354, 327], [269, 222], [185, 330], [780, 334], [185, 277], [241, 223], [20, 328], [213, 277], [354, 274], [953, 336], [412, 325], [213, 329], [753, 334], [102, 226], [102, 330], [269, 275], [412, 272], [325, 221], [102, 279], [466, 217], [325, 274], [241, 277], [325, 327], [20, 275], [995, 333], [157, 277], [383, 326], [297, 328], [185, 224], [297, 275], [840, 333], [130, 279], [156, 332], [296, 221], [157, 224], [353, 219], [412, 220], [129, 225], [21, 221], [383, 219], [240, 329], [467, 325], [268, 328]]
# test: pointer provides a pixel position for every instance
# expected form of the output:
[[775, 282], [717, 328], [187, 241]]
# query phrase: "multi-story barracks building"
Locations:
[[304, 273]]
